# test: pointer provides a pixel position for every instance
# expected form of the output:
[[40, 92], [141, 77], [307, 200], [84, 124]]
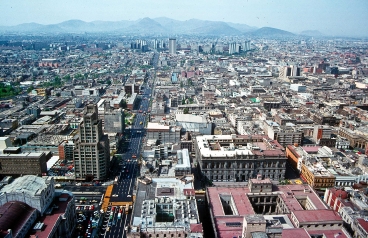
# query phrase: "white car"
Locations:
[[129, 195]]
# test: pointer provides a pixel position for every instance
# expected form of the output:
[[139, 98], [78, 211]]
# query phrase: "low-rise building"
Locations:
[[262, 209], [25, 163]]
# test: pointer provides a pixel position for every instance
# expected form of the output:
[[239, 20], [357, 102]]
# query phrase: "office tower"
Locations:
[[92, 153], [172, 46], [233, 48], [246, 46]]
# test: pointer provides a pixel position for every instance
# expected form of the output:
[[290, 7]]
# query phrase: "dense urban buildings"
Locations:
[[192, 136]]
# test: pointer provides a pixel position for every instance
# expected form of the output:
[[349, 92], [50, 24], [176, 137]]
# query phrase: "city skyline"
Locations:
[[328, 17]]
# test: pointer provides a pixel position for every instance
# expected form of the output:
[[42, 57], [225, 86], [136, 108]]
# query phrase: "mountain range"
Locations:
[[148, 26]]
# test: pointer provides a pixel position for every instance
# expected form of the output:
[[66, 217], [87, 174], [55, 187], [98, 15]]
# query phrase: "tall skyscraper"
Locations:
[[172, 46], [92, 151]]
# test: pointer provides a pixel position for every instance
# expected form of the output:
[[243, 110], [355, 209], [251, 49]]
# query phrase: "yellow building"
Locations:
[[317, 176]]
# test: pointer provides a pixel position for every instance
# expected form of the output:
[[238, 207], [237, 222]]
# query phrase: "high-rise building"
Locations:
[[172, 46], [92, 152]]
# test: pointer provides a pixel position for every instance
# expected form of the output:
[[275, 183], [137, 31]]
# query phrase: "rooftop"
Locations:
[[29, 184]]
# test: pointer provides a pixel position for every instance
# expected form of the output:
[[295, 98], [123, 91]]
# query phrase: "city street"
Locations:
[[129, 170]]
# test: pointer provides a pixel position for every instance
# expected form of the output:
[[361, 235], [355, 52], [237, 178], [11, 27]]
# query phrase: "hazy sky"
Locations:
[[332, 17]]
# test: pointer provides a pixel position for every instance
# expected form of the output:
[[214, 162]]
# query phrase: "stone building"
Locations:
[[239, 157]]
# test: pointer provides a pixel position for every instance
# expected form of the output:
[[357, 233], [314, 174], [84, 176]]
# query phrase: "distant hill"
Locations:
[[161, 25], [145, 26], [311, 33], [271, 32]]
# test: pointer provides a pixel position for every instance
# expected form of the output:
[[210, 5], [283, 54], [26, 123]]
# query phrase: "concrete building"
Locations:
[[194, 123], [321, 132], [352, 206], [163, 133], [289, 134], [35, 191], [298, 88], [183, 166], [239, 158], [92, 152], [309, 162], [66, 150], [262, 209], [5, 143], [289, 71], [114, 121], [30, 205], [25, 163], [166, 207], [172, 46]]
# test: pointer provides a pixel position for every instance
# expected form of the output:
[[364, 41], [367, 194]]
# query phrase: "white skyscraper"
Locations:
[[172, 46]]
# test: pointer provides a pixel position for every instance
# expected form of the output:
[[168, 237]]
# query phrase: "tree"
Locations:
[[67, 77], [183, 101], [57, 94], [123, 104], [30, 89], [186, 110]]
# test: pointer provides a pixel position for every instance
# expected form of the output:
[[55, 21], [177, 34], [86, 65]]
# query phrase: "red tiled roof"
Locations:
[[196, 228], [311, 149], [328, 233], [363, 224], [13, 215], [51, 220], [296, 232], [288, 193], [317, 216]]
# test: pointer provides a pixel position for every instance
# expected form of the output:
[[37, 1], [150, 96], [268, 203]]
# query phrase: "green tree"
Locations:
[[123, 104], [30, 89], [186, 110], [67, 77]]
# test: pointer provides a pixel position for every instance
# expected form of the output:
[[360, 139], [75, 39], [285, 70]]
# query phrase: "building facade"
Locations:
[[35, 191], [26, 163], [172, 46], [114, 121], [92, 152], [239, 158]]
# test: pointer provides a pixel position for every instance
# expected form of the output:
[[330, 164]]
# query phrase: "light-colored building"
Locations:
[[194, 123], [35, 191], [172, 46], [163, 133], [289, 134], [166, 207], [239, 157], [5, 143]]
